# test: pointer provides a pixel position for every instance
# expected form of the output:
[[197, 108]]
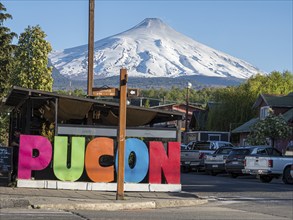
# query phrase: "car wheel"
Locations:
[[185, 169], [213, 173], [233, 175], [265, 179], [208, 172], [287, 178]]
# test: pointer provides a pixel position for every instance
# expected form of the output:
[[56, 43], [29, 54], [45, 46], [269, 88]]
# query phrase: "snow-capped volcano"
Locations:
[[150, 49]]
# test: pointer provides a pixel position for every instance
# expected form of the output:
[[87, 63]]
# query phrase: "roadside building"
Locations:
[[265, 103]]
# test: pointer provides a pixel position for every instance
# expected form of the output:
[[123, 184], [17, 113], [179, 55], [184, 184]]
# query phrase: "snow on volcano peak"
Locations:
[[150, 49]]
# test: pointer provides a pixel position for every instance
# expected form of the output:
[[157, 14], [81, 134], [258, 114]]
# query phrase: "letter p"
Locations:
[[26, 161]]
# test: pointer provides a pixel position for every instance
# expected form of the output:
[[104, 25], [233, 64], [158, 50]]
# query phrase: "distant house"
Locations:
[[181, 108], [199, 117], [280, 104]]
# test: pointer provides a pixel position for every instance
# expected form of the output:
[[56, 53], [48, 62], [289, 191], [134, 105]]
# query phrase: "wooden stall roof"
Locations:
[[77, 107]]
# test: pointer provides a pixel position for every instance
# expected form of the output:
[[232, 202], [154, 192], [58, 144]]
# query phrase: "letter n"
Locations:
[[161, 164]]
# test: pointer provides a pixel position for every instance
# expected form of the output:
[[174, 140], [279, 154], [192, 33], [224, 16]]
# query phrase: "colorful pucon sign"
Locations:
[[153, 160]]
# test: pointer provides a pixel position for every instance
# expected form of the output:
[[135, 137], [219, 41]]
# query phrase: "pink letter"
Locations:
[[159, 162], [26, 161]]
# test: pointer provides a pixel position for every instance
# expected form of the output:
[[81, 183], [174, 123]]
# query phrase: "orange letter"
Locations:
[[95, 151]]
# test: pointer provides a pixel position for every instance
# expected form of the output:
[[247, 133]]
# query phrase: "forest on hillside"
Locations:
[[234, 102]]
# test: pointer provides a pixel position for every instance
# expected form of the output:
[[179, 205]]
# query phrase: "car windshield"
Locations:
[[240, 152], [274, 152], [201, 146], [223, 151]]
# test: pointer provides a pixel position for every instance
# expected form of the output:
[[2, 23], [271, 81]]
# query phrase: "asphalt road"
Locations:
[[241, 198], [223, 186], [245, 193]]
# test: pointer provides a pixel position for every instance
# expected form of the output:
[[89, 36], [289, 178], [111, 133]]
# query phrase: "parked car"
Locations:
[[215, 163], [193, 157], [183, 147], [208, 145], [269, 163], [289, 152], [235, 161]]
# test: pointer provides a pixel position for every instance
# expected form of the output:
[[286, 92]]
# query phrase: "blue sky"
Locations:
[[259, 32]]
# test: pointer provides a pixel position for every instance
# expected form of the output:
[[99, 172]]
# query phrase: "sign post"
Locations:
[[105, 91], [121, 134], [132, 92], [91, 47]]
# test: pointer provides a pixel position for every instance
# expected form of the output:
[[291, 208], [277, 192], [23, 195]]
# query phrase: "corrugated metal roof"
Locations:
[[288, 115], [19, 95], [275, 100], [246, 126]]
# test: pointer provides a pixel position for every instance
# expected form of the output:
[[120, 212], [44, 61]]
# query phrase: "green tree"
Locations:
[[235, 102], [275, 83], [272, 127], [6, 64], [76, 92], [4, 123], [147, 103], [6, 52], [31, 69], [178, 95]]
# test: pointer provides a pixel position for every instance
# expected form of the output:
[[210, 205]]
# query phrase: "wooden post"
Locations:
[[121, 134], [56, 116], [91, 48], [187, 110], [189, 85]]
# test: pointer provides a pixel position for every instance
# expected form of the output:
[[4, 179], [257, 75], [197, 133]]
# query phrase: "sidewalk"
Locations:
[[92, 200]]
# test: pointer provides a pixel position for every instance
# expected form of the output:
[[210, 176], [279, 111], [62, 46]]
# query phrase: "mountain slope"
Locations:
[[150, 49]]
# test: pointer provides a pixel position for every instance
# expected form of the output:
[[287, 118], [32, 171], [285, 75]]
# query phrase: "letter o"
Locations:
[[140, 169]]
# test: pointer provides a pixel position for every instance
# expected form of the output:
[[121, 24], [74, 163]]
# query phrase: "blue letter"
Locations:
[[141, 163]]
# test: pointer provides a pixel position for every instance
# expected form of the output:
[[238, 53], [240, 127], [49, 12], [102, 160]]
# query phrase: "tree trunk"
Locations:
[[273, 142]]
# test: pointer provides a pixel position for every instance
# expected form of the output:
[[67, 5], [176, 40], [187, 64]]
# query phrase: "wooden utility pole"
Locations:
[[189, 85], [121, 134], [91, 47], [187, 109]]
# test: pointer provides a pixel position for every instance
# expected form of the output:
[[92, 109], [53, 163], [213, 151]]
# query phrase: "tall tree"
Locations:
[[272, 127], [6, 63], [235, 102], [32, 69], [6, 52]]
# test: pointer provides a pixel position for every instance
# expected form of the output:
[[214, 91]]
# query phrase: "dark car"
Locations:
[[235, 160], [215, 163]]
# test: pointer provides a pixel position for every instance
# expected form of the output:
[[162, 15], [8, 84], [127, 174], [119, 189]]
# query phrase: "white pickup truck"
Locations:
[[192, 158], [269, 167]]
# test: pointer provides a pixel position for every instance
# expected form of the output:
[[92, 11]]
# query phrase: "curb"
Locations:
[[123, 205], [180, 203], [14, 203]]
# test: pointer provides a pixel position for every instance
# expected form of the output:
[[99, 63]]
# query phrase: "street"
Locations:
[[244, 193], [241, 198]]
